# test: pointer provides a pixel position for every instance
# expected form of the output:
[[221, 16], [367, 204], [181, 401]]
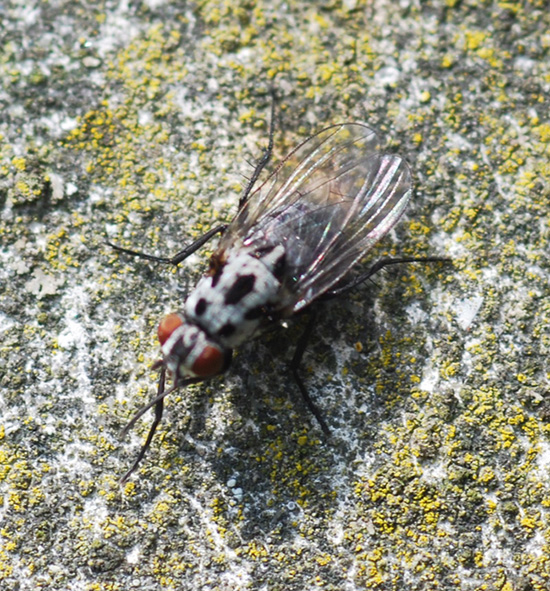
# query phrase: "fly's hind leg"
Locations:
[[378, 266], [295, 364], [181, 255]]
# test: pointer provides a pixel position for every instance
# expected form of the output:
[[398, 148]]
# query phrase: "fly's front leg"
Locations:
[[378, 266], [295, 364], [180, 256], [159, 407]]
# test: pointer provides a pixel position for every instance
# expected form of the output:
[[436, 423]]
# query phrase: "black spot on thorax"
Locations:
[[226, 330], [201, 306], [243, 285], [279, 267]]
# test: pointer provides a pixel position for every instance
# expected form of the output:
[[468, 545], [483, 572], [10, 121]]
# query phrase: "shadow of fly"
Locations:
[[293, 241]]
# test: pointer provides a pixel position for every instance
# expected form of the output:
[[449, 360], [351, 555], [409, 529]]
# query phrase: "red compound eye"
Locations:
[[210, 362], [167, 326]]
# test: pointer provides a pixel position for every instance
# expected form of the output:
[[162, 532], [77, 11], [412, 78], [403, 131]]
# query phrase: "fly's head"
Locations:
[[188, 351]]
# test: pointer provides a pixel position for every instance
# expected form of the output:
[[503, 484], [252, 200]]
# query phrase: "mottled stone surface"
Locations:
[[134, 122]]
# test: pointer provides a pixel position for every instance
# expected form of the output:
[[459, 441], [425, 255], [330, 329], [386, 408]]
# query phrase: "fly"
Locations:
[[293, 241]]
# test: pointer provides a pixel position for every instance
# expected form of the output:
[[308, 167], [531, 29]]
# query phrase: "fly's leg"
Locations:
[[180, 256], [159, 407], [189, 250], [266, 157], [378, 266], [304, 338], [158, 403], [295, 364]]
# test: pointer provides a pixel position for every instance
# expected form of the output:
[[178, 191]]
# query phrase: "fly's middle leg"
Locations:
[[295, 364]]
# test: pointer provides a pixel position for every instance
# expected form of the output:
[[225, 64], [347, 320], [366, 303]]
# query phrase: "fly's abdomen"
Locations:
[[231, 304]]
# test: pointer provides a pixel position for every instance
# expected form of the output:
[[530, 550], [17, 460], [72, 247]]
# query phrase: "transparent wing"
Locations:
[[328, 202]]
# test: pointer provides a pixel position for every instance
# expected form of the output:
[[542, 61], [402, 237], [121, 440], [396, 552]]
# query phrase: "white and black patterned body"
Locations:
[[226, 308], [231, 303]]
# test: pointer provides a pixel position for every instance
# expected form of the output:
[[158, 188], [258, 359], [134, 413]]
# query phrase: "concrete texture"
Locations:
[[135, 121]]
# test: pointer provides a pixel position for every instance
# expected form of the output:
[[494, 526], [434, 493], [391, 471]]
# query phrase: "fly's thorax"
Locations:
[[188, 351], [230, 303]]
